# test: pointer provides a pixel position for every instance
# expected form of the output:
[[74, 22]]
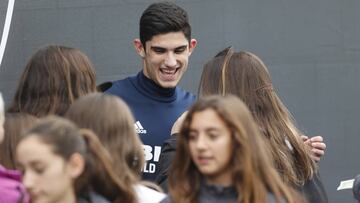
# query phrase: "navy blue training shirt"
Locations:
[[155, 110]]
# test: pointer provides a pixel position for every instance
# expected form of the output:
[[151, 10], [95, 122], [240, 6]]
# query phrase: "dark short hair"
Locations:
[[162, 18]]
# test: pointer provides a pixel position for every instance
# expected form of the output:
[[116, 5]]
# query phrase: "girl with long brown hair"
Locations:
[[54, 77], [246, 76], [111, 120], [221, 157], [63, 163], [15, 124]]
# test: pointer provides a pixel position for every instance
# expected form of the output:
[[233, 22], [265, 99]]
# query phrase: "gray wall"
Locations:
[[312, 49]]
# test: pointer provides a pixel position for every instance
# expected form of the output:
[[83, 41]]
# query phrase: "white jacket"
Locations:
[[147, 195]]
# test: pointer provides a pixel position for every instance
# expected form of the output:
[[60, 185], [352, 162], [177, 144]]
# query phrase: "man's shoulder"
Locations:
[[122, 82], [185, 95], [119, 86]]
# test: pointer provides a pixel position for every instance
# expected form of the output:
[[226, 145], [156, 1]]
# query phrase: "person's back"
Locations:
[[245, 75], [54, 77], [164, 46]]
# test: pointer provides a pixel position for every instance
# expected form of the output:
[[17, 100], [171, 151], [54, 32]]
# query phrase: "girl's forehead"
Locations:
[[32, 150], [35, 145]]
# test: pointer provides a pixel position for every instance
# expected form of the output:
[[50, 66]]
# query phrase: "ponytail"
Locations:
[[100, 174]]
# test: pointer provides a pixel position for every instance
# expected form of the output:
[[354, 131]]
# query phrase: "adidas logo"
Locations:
[[139, 128]]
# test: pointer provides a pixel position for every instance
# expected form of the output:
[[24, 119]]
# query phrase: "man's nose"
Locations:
[[170, 60]]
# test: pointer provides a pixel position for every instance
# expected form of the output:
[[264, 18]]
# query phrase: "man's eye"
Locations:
[[159, 51], [180, 50]]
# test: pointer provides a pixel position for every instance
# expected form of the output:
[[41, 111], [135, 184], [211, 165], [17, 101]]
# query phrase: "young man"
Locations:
[[165, 45]]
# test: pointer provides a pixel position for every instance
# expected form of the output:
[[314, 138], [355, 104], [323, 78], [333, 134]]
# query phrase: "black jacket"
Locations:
[[218, 194], [168, 150], [91, 197]]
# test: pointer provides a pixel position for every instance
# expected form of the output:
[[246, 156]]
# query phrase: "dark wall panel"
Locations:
[[312, 49]]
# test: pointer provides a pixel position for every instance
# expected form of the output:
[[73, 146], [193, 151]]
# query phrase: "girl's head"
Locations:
[[53, 78], [111, 119], [220, 143], [15, 124], [242, 74], [219, 134], [61, 162], [245, 75]]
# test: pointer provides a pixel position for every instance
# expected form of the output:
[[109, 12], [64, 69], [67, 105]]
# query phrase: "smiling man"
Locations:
[[164, 46]]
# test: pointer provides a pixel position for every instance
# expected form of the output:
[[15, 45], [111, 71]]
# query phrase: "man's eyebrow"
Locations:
[[156, 47], [163, 48], [181, 47]]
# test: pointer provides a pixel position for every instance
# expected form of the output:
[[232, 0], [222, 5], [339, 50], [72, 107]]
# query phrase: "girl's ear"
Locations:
[[76, 165]]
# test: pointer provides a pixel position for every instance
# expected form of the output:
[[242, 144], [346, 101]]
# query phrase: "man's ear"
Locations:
[[140, 49], [76, 165], [192, 45]]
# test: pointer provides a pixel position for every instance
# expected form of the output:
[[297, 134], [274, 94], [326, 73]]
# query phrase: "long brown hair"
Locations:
[[111, 119], [53, 78], [15, 124], [246, 76], [253, 173], [66, 139]]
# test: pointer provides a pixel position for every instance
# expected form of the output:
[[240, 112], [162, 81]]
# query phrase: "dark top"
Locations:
[[167, 155], [218, 194], [155, 110], [356, 188], [91, 197], [314, 190]]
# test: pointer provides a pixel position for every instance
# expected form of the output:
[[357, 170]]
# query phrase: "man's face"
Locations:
[[166, 57]]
